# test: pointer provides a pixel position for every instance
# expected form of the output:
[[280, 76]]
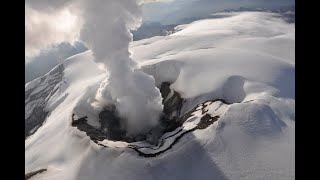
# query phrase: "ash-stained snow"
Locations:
[[246, 60]]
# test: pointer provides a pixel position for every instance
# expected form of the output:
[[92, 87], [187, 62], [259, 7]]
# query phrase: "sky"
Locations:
[[51, 33]]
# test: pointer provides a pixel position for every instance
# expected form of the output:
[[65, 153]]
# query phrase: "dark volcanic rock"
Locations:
[[93, 133], [206, 121], [110, 122], [31, 174], [172, 101], [165, 90]]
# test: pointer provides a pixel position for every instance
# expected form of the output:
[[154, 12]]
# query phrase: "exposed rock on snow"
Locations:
[[110, 127], [37, 95], [31, 174], [197, 119], [172, 128], [172, 101]]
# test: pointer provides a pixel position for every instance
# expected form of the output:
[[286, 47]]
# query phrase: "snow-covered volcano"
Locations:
[[235, 76]]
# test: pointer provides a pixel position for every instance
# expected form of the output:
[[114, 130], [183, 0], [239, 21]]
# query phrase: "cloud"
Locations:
[[53, 21], [45, 28], [48, 58], [48, 5]]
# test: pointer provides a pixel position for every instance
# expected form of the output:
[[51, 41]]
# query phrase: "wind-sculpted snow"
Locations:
[[235, 78], [164, 71]]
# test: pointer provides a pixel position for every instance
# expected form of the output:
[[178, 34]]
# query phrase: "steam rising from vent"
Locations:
[[104, 28], [106, 33]]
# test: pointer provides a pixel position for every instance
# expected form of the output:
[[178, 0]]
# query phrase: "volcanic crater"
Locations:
[[172, 127]]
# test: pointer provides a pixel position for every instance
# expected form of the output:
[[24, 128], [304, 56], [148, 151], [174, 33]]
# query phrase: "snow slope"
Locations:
[[246, 59]]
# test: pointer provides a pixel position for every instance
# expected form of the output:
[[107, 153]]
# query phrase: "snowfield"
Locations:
[[246, 59]]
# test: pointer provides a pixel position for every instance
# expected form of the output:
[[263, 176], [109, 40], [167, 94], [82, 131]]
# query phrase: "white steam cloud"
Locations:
[[104, 28], [106, 33]]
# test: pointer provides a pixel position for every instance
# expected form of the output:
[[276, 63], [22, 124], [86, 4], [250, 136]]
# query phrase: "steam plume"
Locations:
[[104, 28], [106, 32]]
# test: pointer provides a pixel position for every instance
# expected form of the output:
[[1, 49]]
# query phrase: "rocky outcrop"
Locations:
[[37, 95]]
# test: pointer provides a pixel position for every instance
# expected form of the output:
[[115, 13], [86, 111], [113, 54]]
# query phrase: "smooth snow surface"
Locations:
[[246, 59]]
